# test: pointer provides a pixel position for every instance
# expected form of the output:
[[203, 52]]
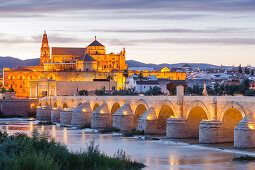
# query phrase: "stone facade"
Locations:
[[81, 115], [123, 119], [18, 107], [66, 116]]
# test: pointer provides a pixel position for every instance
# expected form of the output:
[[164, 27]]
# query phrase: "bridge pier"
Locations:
[[176, 128], [55, 114], [123, 118], [148, 122], [44, 113], [81, 115], [210, 131], [101, 117], [66, 116], [244, 133]]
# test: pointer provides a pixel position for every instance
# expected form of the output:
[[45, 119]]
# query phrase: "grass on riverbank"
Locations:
[[244, 158], [132, 133], [110, 130], [39, 152], [46, 123]]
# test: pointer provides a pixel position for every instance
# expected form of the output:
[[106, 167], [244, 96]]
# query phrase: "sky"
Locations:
[[152, 31]]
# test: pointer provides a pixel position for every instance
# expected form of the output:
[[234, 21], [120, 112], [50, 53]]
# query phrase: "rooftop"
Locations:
[[86, 57], [68, 51], [96, 43]]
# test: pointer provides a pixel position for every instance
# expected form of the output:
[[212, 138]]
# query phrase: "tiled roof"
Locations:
[[86, 57], [67, 51], [95, 43]]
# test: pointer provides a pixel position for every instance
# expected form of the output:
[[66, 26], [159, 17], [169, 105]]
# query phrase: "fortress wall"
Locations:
[[70, 87], [18, 107]]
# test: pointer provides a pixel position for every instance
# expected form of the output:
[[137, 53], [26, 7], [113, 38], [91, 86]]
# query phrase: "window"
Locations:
[[113, 87]]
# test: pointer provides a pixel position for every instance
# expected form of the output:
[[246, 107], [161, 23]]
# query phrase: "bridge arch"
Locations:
[[115, 107], [196, 113], [166, 111], [231, 115], [96, 105], [65, 106], [198, 103], [141, 107], [232, 105]]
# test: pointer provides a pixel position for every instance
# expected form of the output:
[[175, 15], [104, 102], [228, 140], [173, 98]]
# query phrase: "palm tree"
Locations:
[[109, 78]]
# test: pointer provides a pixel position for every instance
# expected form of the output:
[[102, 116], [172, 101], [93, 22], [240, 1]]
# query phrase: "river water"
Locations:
[[156, 154]]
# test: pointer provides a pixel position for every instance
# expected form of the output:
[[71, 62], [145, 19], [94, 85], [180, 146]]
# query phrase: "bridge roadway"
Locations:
[[212, 119]]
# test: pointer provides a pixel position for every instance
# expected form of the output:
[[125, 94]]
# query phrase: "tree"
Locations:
[[140, 75], [240, 69], [3, 90], [109, 78], [10, 90], [83, 93], [172, 90], [125, 74], [252, 72], [154, 91], [246, 70]]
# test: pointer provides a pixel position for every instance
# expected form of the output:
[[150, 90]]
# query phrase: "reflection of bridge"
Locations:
[[212, 119]]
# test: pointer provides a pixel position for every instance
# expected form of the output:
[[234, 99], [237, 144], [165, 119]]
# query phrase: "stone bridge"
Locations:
[[212, 119]]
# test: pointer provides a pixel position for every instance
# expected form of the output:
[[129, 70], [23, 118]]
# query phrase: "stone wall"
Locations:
[[70, 87], [18, 107]]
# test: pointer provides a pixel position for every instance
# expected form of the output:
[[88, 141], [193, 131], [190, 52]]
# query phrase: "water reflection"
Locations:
[[154, 154], [65, 136]]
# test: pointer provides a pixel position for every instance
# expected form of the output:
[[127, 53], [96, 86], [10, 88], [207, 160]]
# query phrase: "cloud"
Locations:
[[63, 39], [174, 30], [166, 5], [191, 41]]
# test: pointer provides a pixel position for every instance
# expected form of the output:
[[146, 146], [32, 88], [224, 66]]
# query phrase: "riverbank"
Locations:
[[40, 152]]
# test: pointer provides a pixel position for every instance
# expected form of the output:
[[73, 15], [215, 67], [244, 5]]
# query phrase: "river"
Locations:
[[156, 154]]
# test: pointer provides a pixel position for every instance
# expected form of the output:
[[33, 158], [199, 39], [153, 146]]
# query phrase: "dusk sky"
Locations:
[[152, 31]]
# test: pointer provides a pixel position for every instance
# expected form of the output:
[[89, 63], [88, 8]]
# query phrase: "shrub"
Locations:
[[110, 130], [40, 152], [46, 123], [244, 158], [132, 133], [87, 125], [154, 91], [83, 93], [1, 113]]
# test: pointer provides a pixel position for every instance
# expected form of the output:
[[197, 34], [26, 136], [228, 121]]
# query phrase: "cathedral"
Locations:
[[91, 58]]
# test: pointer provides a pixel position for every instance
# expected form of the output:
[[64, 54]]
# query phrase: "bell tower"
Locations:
[[45, 50]]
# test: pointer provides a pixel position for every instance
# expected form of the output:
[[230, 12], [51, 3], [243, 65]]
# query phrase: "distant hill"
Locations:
[[133, 63], [11, 62]]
